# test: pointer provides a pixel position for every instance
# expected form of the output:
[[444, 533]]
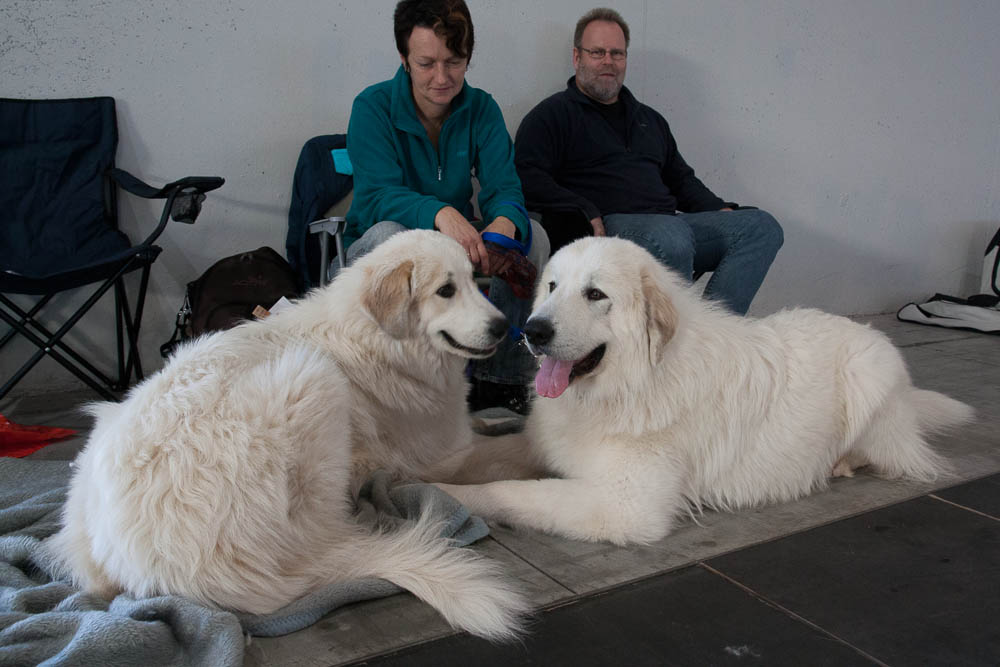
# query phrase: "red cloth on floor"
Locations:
[[19, 440]]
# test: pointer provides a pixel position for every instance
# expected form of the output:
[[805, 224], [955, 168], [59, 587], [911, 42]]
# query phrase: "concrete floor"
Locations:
[[556, 572]]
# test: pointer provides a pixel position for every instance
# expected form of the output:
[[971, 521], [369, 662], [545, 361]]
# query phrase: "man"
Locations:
[[594, 150]]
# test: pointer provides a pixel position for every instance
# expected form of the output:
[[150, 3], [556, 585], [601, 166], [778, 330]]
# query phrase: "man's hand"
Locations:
[[452, 223], [598, 225]]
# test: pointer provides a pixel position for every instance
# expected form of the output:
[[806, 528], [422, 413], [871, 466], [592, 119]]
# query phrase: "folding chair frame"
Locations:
[[186, 196], [51, 344], [328, 227]]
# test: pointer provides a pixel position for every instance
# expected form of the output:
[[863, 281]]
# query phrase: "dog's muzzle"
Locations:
[[497, 330], [538, 332]]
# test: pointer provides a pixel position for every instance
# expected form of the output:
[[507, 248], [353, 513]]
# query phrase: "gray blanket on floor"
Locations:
[[49, 622]]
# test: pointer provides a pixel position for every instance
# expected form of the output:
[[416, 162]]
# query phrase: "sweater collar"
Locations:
[[403, 110]]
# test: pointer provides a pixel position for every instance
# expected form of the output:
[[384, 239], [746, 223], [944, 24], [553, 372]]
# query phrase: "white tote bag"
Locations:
[[980, 312]]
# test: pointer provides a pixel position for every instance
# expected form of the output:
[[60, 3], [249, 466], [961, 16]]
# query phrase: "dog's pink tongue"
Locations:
[[553, 377]]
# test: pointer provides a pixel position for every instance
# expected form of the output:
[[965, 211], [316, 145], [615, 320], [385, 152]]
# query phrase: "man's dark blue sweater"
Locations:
[[571, 158]]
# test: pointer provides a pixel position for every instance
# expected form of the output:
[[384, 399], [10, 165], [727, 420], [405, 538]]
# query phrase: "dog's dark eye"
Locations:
[[552, 286], [446, 291], [594, 294]]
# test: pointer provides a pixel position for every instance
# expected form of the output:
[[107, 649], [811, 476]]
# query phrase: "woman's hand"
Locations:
[[501, 225], [452, 223]]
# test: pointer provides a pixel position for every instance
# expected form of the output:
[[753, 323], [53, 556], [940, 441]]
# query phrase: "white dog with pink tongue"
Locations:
[[653, 403]]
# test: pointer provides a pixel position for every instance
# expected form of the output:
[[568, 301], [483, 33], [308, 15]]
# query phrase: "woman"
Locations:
[[414, 142]]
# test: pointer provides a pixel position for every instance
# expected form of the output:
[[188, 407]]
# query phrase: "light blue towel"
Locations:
[[48, 622]]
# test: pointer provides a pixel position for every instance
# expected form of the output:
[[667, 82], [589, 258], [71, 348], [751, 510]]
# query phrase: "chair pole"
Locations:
[[47, 347], [119, 289], [28, 319], [132, 324], [44, 349], [25, 317]]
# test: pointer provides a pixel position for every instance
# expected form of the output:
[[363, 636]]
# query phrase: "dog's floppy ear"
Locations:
[[389, 299], [661, 316]]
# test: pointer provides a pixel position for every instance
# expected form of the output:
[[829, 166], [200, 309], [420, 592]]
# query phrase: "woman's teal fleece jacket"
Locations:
[[399, 176]]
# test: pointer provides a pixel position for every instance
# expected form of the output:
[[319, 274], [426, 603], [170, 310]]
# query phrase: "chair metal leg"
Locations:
[[324, 258], [53, 346], [28, 319], [119, 296], [45, 349], [338, 239], [25, 317], [133, 364], [326, 228]]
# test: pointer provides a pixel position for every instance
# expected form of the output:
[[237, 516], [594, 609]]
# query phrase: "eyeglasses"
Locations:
[[617, 55]]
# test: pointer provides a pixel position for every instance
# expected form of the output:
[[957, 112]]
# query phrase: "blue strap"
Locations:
[[514, 332], [508, 242]]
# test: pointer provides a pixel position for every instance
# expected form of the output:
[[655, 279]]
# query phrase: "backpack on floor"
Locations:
[[229, 291], [980, 312]]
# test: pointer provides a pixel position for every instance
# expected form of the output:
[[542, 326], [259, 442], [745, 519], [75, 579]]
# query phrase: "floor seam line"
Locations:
[[534, 567], [789, 612], [964, 507], [934, 342]]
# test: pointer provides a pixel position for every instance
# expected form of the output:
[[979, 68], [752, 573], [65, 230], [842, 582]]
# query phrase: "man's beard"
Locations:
[[601, 91]]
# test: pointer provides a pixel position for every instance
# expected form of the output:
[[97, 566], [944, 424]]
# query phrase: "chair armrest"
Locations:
[[329, 227], [139, 188], [334, 225], [184, 196]]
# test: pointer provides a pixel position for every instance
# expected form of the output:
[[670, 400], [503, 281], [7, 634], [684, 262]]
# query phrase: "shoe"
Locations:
[[513, 397]]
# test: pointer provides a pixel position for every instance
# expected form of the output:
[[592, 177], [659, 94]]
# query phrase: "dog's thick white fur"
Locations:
[[692, 407], [229, 476]]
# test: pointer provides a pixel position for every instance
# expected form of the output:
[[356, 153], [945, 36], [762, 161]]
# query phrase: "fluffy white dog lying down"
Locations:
[[230, 476], [655, 403]]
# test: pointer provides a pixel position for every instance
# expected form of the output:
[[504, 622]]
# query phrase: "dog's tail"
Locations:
[[465, 588], [896, 442], [937, 412], [934, 413]]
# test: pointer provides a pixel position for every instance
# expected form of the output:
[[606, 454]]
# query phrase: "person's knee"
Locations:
[[763, 227], [372, 238], [381, 231], [665, 237], [540, 246]]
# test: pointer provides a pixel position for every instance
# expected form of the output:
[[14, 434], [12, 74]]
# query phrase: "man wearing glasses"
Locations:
[[593, 150]]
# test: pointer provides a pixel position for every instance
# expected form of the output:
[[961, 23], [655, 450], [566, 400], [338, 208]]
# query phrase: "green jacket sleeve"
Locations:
[[495, 170]]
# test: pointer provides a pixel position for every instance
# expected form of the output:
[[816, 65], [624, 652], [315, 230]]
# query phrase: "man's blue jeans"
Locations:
[[512, 363], [736, 246]]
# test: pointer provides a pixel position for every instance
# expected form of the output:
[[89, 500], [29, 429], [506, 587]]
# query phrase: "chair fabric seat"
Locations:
[[14, 283]]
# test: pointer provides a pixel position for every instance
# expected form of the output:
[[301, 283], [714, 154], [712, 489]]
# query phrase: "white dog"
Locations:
[[229, 476], [656, 403]]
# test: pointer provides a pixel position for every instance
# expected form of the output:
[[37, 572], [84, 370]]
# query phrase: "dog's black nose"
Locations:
[[498, 328], [538, 331]]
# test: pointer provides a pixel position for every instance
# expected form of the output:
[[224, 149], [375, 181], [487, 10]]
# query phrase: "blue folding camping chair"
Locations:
[[59, 230]]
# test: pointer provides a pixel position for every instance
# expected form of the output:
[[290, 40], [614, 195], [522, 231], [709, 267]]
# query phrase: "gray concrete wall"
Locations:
[[870, 130]]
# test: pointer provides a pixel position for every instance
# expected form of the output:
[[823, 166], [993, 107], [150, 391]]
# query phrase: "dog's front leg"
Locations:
[[574, 508], [489, 459]]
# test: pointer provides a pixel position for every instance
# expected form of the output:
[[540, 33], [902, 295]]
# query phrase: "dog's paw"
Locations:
[[842, 469]]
